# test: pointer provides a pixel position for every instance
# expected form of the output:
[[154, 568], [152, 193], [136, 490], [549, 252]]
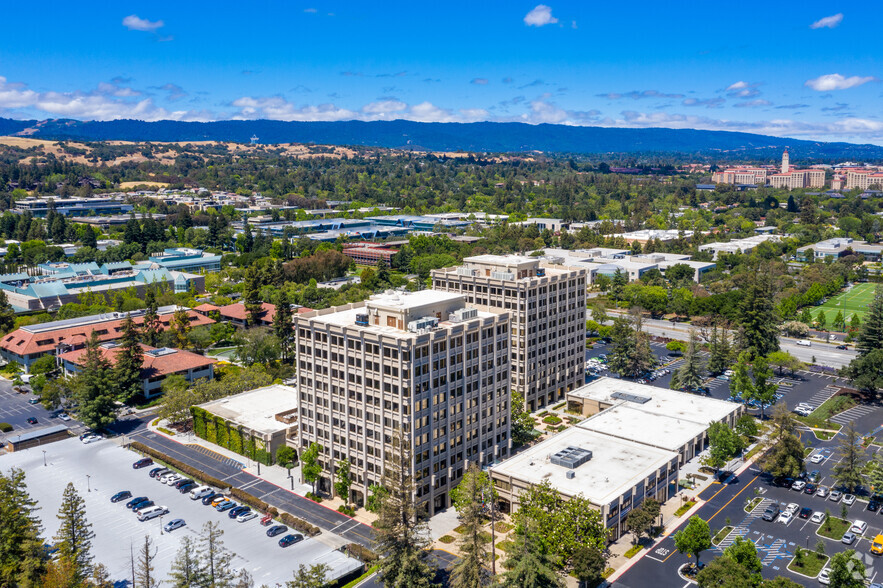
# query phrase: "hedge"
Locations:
[[5, 427], [299, 525], [361, 553], [190, 471], [249, 499]]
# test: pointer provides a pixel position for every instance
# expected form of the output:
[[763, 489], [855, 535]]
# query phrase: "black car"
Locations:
[[121, 496], [135, 501], [32, 420], [810, 489], [180, 483], [160, 472], [805, 512], [842, 347], [276, 530], [184, 488], [208, 498], [291, 540], [152, 473], [142, 463], [235, 512], [873, 506], [783, 482], [145, 504]]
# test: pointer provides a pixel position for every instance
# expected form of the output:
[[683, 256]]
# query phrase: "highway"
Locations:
[[825, 354]]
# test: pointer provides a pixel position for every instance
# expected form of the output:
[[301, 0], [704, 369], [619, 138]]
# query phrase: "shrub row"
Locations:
[[361, 553], [183, 467], [249, 499], [299, 525], [5, 427]]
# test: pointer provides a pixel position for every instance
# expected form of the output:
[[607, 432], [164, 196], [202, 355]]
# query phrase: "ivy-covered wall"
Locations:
[[216, 430]]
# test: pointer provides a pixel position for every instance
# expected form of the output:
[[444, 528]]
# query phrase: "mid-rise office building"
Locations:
[[547, 306], [425, 363]]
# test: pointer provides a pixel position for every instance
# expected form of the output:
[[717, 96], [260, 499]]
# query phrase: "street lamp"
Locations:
[[160, 525], [88, 484], [44, 458]]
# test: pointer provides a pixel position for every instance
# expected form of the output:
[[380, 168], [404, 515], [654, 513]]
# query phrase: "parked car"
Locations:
[[291, 540], [814, 476], [34, 401], [246, 516], [121, 495], [200, 492], [822, 491], [805, 512], [786, 517], [873, 506], [798, 486], [155, 471], [185, 488], [64, 416], [174, 524], [771, 512], [152, 513], [32, 420], [210, 497], [792, 508], [848, 538], [225, 506], [276, 530], [825, 576], [877, 545], [91, 439], [174, 479], [218, 499], [810, 489], [859, 527], [135, 501], [835, 496], [143, 506], [235, 512], [181, 482], [141, 463], [817, 517], [849, 499]]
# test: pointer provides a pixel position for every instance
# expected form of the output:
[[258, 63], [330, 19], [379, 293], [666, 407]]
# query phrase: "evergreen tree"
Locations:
[[839, 321], [785, 454], [309, 577], [792, 205], [848, 470], [145, 578], [152, 326], [821, 320], [179, 328], [871, 335], [757, 314], [74, 538], [7, 314], [283, 325], [21, 556], [187, 567], [469, 498], [529, 563], [847, 570], [720, 350], [128, 361], [401, 533], [631, 355], [94, 387], [251, 295], [132, 233], [89, 239], [690, 374], [214, 557]]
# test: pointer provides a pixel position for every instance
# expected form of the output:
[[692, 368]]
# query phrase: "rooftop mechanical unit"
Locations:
[[630, 397], [571, 457], [362, 319]]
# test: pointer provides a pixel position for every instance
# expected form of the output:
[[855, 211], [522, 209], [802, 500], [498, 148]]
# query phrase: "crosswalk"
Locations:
[[741, 530], [214, 454], [856, 412], [777, 549]]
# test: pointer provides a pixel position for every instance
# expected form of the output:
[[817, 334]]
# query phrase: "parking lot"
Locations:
[[99, 470]]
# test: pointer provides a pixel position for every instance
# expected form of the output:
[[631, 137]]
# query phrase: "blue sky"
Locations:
[[809, 70]]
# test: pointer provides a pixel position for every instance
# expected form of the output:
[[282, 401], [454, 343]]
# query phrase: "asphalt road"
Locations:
[[312, 512], [16, 410]]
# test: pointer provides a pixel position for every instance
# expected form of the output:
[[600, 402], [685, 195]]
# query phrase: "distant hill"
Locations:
[[481, 137]]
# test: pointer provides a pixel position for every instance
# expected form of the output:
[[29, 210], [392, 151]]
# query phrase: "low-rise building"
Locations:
[[369, 253], [185, 259], [255, 423], [159, 363], [646, 235], [745, 245], [237, 314], [839, 247]]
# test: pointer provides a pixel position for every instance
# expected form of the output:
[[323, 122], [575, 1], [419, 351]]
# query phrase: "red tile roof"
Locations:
[[23, 342], [153, 366], [206, 308], [236, 311]]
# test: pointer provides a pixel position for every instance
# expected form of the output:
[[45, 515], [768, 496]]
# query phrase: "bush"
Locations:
[[346, 510], [299, 525], [313, 497], [5, 427], [552, 420], [446, 539], [250, 500], [633, 550], [361, 553], [182, 467]]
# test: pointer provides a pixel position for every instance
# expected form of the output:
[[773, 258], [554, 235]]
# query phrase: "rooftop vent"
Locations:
[[570, 474], [161, 351], [466, 271], [463, 314], [362, 319], [630, 397], [502, 275], [541, 272], [428, 322], [571, 457]]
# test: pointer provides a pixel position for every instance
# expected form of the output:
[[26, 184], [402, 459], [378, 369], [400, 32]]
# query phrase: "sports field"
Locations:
[[853, 302]]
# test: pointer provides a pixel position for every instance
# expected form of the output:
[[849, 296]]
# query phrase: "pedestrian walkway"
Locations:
[[741, 529], [206, 451], [850, 415]]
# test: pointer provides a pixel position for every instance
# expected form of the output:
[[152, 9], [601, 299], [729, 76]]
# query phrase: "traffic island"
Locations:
[[833, 528], [807, 563]]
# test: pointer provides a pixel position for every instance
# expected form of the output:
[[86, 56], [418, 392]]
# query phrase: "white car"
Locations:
[[792, 508], [247, 516], [729, 373], [165, 477], [817, 517], [859, 527], [849, 499], [786, 517], [200, 492], [817, 458], [63, 416], [804, 343], [825, 576], [173, 479], [91, 438], [798, 486]]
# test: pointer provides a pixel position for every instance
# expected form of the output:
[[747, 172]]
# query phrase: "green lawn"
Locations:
[[811, 563], [853, 302], [833, 528]]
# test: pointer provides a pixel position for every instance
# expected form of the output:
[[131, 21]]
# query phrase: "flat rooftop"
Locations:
[[671, 403], [616, 465], [256, 408], [647, 428]]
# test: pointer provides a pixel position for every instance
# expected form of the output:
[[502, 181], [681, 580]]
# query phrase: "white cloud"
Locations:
[[479, 81], [540, 16], [742, 89], [829, 22], [310, 10], [836, 81], [133, 23], [753, 103]]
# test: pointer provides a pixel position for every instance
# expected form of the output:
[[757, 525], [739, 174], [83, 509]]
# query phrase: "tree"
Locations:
[[309, 464], [128, 361], [755, 385], [744, 552], [720, 350], [177, 399], [257, 346], [469, 498], [874, 473], [785, 454], [848, 471], [757, 313], [343, 481], [21, 558], [782, 360], [94, 387], [779, 582], [144, 573], [179, 328], [530, 565], [694, 538], [187, 568], [74, 538], [870, 337], [309, 577], [215, 558], [7, 314], [401, 534], [690, 374], [724, 572], [286, 456], [847, 570], [251, 295], [283, 325], [589, 564], [866, 371], [376, 495], [630, 355], [747, 426], [821, 320], [724, 444], [522, 422], [639, 522], [839, 321], [152, 326]]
